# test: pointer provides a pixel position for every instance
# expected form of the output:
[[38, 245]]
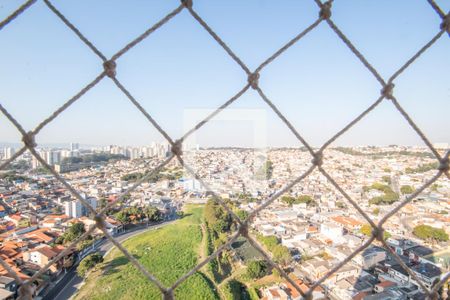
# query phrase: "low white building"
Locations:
[[332, 232]]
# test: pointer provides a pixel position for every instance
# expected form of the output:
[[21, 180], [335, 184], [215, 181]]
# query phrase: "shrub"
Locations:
[[88, 263], [300, 199], [406, 189], [366, 229], [281, 254], [426, 232], [234, 290], [257, 269]]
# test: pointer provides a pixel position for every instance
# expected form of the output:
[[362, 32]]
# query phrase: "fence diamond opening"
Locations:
[[109, 70]]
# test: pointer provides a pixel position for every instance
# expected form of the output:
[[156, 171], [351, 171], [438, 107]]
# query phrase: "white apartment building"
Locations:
[[76, 209], [8, 152]]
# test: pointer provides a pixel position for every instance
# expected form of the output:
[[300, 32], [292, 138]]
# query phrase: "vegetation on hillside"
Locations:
[[382, 154], [92, 158], [406, 189], [137, 214], [13, 176], [167, 253], [290, 200], [72, 233], [422, 168], [389, 196], [162, 175], [429, 233], [88, 263], [235, 290], [280, 253], [246, 198], [341, 205], [218, 225], [386, 179], [257, 269]]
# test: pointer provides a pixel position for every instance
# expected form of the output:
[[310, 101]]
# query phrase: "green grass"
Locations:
[[167, 253]]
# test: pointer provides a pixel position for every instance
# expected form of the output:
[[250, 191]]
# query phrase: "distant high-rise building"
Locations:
[[66, 153], [56, 157], [135, 153], [35, 163], [52, 157], [47, 155], [8, 152], [119, 150], [74, 146]]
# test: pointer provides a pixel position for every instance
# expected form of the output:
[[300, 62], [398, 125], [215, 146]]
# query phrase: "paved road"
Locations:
[[70, 284]]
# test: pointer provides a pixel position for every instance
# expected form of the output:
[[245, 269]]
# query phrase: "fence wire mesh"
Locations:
[[109, 70]]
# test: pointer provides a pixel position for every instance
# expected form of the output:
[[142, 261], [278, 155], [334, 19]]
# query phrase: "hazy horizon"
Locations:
[[86, 146]]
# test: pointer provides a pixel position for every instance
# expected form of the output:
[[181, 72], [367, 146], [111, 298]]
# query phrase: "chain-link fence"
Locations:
[[109, 65]]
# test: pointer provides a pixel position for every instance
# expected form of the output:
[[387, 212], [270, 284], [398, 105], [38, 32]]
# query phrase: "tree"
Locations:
[[71, 160], [406, 189], [426, 232], [366, 229], [341, 205], [376, 211], [276, 273], [234, 289], [84, 244], [122, 217], [60, 239], [269, 241], [288, 200], [257, 269], [102, 202], [300, 199], [72, 233], [435, 187], [152, 214], [88, 263], [386, 179], [305, 199], [216, 217], [220, 240], [281, 254], [389, 196], [132, 177], [422, 168], [77, 229], [242, 214]]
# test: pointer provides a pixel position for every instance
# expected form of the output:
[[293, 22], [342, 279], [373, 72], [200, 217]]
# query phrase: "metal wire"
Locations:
[[109, 66]]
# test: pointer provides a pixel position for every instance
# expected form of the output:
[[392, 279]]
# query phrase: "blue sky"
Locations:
[[318, 83]]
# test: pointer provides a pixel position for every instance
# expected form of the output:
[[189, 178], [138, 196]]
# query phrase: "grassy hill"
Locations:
[[167, 253]]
